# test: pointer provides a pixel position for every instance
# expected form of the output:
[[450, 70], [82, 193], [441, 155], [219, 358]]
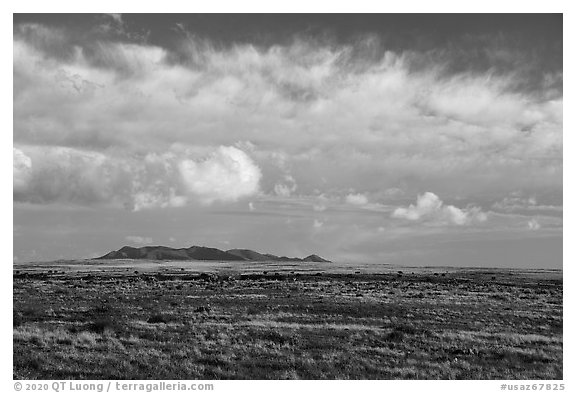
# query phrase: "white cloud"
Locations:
[[515, 203], [150, 200], [327, 111], [22, 166], [357, 199], [287, 188], [430, 208], [283, 190], [533, 225], [172, 179], [227, 175], [139, 240]]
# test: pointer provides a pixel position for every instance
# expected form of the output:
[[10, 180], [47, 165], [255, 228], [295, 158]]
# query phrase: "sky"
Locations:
[[411, 139]]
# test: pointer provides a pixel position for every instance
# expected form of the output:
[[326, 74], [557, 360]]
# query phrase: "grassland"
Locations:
[[178, 324]]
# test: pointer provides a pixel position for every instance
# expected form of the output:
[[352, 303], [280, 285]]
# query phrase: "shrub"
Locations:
[[400, 332], [203, 309], [395, 335], [101, 325], [103, 318], [157, 318]]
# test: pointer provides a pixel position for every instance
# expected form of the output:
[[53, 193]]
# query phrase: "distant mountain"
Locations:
[[200, 254], [314, 258]]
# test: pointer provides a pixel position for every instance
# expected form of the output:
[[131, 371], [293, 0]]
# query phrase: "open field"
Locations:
[[258, 320]]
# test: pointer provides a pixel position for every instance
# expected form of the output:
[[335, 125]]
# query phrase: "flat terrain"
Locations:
[[258, 320]]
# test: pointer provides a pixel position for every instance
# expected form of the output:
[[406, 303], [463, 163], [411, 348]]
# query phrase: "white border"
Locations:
[[303, 6]]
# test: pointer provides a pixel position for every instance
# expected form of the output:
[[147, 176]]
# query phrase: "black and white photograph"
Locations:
[[313, 196]]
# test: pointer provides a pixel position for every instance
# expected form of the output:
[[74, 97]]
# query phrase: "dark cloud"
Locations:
[[531, 43]]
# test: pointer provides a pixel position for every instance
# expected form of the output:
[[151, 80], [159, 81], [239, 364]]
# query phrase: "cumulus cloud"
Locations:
[[227, 175], [171, 179], [157, 199], [283, 190], [287, 188], [356, 199], [533, 225], [430, 208]]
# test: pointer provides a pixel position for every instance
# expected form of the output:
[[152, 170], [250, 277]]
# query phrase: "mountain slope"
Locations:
[[249, 255], [211, 254]]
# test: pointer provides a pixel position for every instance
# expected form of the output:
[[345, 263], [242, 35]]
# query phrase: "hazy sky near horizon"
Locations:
[[413, 139]]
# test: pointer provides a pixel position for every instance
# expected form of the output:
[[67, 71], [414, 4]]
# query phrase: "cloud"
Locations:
[[320, 203], [283, 190], [533, 225], [431, 209], [227, 175], [22, 167], [356, 199], [320, 207], [334, 116], [520, 204], [139, 239], [154, 199], [318, 224], [58, 174], [287, 188], [172, 179]]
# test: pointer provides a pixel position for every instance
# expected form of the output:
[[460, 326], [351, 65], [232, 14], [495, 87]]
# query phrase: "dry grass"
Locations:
[[177, 326]]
